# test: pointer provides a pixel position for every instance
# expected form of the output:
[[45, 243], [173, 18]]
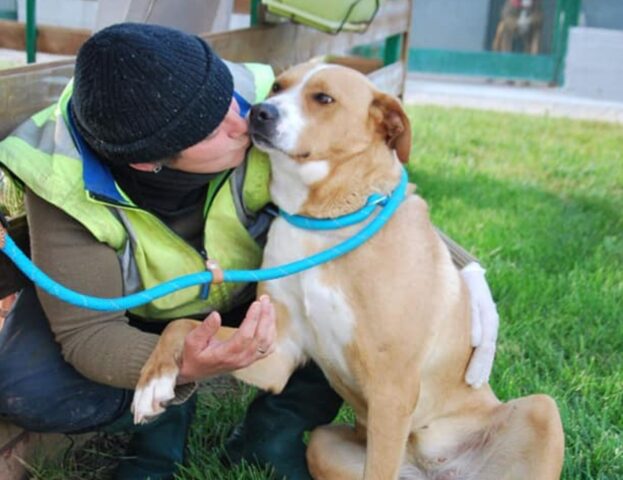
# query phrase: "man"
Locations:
[[136, 176]]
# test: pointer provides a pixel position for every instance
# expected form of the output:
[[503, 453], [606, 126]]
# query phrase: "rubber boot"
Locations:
[[272, 432], [157, 448]]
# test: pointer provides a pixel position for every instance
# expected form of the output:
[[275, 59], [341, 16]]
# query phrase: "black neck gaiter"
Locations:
[[166, 193]]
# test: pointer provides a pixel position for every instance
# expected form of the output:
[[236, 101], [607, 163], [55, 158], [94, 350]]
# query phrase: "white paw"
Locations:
[[151, 400]]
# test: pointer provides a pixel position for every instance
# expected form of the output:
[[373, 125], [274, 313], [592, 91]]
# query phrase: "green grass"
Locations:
[[540, 202]]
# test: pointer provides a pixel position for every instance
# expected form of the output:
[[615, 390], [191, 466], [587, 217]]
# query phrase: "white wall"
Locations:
[[196, 16], [62, 13], [594, 63], [603, 14]]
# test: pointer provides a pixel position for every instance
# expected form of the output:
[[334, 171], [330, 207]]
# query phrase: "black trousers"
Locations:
[[39, 390]]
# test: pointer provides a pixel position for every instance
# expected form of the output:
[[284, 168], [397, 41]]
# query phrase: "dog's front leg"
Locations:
[[272, 372], [156, 384], [388, 427]]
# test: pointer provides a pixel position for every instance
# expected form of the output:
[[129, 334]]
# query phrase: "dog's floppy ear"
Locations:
[[393, 123]]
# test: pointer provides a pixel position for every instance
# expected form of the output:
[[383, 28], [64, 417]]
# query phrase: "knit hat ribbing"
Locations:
[[145, 92]]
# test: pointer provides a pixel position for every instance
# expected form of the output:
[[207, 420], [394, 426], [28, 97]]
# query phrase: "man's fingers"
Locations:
[[476, 333], [480, 365], [490, 324], [211, 324], [199, 338], [242, 340], [249, 324], [265, 332]]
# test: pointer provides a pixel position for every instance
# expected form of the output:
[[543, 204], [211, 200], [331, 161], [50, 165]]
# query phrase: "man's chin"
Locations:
[[239, 159]]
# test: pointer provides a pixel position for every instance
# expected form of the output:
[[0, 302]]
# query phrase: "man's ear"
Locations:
[[393, 124]]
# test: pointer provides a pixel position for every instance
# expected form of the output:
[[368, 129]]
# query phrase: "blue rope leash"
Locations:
[[310, 223], [134, 300]]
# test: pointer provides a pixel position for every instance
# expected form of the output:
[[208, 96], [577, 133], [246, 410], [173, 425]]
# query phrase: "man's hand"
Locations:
[[204, 356], [485, 323]]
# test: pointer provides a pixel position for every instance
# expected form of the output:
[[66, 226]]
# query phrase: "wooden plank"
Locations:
[[242, 6], [287, 44], [26, 90], [390, 79], [50, 39]]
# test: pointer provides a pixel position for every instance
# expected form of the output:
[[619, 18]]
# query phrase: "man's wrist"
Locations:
[[182, 380]]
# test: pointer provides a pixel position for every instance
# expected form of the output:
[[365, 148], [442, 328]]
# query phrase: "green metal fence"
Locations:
[[8, 9]]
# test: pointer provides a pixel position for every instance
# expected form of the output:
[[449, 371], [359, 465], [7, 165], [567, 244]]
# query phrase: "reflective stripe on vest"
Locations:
[[42, 154]]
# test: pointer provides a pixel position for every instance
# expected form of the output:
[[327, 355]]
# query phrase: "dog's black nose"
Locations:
[[263, 122], [264, 113]]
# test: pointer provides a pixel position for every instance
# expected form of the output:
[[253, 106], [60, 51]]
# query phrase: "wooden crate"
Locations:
[[25, 90], [28, 89], [50, 39]]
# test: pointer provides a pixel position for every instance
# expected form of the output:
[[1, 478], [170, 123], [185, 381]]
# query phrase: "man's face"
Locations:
[[223, 149]]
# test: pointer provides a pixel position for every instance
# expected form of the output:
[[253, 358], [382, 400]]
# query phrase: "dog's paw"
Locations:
[[152, 397]]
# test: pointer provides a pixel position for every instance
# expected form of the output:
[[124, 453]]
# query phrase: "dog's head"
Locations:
[[320, 117]]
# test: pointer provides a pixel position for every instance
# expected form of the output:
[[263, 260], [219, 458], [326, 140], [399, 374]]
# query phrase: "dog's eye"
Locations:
[[323, 98], [276, 87]]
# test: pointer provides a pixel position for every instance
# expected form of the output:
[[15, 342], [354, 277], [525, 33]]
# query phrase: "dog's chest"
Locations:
[[320, 316]]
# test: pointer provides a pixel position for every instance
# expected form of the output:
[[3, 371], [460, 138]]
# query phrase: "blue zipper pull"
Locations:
[[204, 292]]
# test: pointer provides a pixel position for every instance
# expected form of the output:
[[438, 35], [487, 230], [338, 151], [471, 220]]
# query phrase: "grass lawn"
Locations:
[[540, 202]]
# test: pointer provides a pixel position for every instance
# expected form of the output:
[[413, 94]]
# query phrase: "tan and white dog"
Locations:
[[520, 20], [389, 323]]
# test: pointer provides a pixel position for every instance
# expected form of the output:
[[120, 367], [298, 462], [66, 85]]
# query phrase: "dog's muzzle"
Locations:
[[263, 121]]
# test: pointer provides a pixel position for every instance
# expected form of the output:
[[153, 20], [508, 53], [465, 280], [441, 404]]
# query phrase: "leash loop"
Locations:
[[309, 223], [392, 202]]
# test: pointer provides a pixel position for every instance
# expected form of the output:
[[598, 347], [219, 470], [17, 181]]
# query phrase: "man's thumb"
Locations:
[[211, 324], [201, 336]]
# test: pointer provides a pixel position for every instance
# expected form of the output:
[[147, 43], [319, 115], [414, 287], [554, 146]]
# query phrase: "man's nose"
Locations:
[[235, 125]]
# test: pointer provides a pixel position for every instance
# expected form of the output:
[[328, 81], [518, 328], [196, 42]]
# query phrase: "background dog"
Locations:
[[522, 21]]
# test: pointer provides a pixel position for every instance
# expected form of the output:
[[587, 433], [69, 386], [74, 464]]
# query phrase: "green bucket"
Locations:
[[330, 16]]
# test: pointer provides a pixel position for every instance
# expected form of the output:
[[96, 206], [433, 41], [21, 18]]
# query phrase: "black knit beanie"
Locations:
[[144, 92]]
